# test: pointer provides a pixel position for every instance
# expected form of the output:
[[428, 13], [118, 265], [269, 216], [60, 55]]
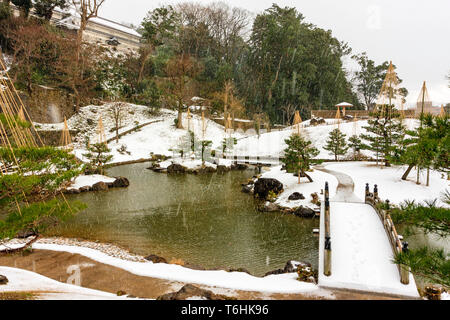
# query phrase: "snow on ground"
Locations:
[[390, 184], [284, 283], [272, 143], [290, 185], [361, 252], [49, 289], [445, 296], [158, 136], [89, 181], [86, 120]]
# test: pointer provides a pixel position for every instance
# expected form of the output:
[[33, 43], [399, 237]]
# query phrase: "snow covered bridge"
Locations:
[[357, 246]]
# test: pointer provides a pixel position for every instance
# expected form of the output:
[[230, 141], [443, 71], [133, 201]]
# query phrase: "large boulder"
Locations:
[[100, 186], [190, 291], [85, 189], [247, 188], [292, 266], [176, 168], [205, 170], [306, 274], [264, 185], [121, 182], [296, 196], [72, 191], [317, 121], [155, 259], [304, 212], [3, 280], [315, 198]]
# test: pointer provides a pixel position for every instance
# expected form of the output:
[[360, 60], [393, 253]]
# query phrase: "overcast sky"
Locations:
[[414, 34]]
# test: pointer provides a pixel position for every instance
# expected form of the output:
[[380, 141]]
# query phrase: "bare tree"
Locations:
[[180, 71], [289, 111], [87, 9], [117, 113]]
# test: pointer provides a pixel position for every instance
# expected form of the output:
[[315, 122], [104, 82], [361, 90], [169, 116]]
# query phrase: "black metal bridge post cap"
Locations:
[[405, 246]]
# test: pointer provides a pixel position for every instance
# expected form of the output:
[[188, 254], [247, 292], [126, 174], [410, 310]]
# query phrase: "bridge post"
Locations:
[[327, 246], [367, 192], [375, 192], [404, 270]]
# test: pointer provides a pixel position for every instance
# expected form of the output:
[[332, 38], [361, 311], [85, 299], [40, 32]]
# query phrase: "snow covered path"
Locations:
[[361, 256], [345, 188], [361, 253]]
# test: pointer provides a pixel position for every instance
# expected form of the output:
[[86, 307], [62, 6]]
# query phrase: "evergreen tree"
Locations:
[[25, 192], [427, 147], [355, 143], [336, 144], [299, 155], [45, 8], [203, 150], [98, 155], [385, 133], [24, 5], [228, 144], [432, 264]]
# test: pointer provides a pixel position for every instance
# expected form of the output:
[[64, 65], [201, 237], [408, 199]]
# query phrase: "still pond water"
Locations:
[[204, 220]]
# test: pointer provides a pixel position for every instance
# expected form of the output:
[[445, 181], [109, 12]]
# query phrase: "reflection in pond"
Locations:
[[204, 220]]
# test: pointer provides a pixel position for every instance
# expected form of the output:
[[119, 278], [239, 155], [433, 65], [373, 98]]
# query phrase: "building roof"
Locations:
[[73, 18], [344, 104]]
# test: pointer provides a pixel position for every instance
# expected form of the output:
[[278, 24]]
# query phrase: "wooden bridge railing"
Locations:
[[327, 246], [396, 244]]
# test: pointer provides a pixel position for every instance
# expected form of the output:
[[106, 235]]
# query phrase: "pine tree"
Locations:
[[203, 150], [336, 144], [427, 147], [98, 155], [386, 133], [25, 203], [299, 156], [355, 143]]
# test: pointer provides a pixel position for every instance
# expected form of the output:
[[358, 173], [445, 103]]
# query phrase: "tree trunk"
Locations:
[[307, 176], [17, 250], [180, 116], [428, 177], [418, 176], [405, 175]]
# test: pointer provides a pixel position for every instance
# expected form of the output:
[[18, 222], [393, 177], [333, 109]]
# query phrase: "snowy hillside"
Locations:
[[272, 143], [158, 136]]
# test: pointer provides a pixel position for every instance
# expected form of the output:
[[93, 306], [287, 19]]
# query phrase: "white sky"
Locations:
[[414, 34]]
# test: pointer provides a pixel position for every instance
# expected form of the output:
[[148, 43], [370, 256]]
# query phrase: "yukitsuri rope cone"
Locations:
[[101, 136], [390, 92], [297, 121], [66, 139], [338, 117], [16, 131]]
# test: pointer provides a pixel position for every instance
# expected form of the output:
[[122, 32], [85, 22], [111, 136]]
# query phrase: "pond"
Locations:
[[204, 220]]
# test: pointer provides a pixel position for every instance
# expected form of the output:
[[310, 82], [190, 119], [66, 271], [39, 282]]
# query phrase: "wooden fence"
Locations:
[[397, 247]]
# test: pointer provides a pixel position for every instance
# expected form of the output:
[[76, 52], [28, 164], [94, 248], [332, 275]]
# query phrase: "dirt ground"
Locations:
[[99, 276]]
